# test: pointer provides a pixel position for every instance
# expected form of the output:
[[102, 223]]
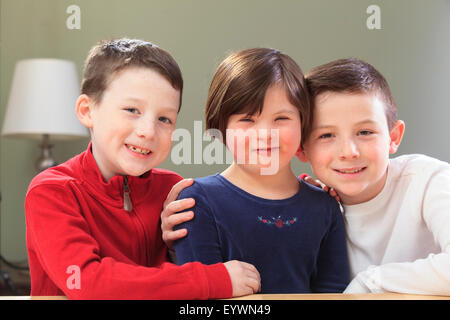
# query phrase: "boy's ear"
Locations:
[[396, 136], [83, 110], [301, 155]]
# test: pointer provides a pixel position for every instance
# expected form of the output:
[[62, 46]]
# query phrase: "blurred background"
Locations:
[[408, 41]]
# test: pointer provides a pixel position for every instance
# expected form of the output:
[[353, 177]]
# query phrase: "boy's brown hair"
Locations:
[[109, 57], [241, 82], [351, 76]]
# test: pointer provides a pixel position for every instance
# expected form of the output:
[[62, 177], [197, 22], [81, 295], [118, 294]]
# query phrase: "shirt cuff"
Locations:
[[368, 281], [219, 281], [356, 286]]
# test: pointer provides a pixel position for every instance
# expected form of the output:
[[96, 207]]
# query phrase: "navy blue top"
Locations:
[[297, 244]]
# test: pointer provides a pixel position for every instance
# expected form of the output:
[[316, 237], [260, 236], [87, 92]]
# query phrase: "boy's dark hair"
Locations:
[[109, 57], [241, 82], [351, 76]]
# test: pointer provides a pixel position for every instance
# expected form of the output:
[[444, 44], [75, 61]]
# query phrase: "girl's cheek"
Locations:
[[290, 138], [238, 146]]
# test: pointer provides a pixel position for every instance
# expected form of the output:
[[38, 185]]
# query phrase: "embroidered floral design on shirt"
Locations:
[[277, 221]]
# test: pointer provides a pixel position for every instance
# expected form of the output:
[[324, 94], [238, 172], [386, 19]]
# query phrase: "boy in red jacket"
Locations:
[[93, 222]]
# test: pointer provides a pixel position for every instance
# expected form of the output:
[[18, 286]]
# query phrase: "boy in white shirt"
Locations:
[[397, 211]]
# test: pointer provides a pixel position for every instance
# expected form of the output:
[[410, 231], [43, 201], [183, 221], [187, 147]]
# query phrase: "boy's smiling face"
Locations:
[[131, 127], [350, 143]]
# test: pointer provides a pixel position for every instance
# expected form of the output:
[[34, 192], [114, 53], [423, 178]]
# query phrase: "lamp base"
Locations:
[[46, 159]]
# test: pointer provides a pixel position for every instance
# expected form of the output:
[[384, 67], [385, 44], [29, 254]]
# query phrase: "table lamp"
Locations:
[[42, 104]]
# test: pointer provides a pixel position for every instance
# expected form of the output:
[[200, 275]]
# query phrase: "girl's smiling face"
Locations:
[[265, 143]]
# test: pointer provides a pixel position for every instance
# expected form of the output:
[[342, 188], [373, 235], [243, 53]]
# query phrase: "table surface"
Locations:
[[317, 296], [340, 296]]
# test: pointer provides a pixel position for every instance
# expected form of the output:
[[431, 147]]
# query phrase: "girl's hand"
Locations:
[[319, 184], [170, 216]]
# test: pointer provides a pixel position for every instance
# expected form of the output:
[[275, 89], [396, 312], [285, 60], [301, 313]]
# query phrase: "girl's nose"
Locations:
[[266, 132]]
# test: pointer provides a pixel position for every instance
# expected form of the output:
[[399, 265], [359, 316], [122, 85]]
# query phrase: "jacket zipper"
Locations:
[[128, 206]]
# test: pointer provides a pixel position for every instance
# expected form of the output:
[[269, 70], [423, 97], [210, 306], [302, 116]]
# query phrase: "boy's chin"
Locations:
[[136, 172], [350, 197]]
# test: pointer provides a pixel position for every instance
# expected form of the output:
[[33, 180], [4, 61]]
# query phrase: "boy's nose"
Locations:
[[349, 150], [146, 129]]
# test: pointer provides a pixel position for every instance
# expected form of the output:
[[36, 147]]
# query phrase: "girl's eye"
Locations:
[[282, 118], [165, 120], [132, 110], [325, 136], [246, 120]]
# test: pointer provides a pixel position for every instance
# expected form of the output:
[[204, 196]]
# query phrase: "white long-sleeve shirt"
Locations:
[[400, 240]]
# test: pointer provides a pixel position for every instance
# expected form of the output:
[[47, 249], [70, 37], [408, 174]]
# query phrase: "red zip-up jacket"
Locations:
[[83, 244]]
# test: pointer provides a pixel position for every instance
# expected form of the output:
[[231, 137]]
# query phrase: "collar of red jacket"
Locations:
[[111, 191]]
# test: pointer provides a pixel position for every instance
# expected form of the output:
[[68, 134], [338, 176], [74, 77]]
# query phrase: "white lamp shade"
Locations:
[[42, 100]]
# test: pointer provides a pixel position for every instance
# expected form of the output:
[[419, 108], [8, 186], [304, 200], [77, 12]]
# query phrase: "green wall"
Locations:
[[412, 49]]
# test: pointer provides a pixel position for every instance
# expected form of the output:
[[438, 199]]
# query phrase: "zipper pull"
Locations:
[[127, 205]]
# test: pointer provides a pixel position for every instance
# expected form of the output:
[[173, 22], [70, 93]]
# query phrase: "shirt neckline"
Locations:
[[366, 208], [111, 191], [252, 197]]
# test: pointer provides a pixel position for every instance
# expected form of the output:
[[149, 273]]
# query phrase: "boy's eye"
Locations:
[[365, 132], [165, 120], [246, 120], [325, 136], [282, 118]]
